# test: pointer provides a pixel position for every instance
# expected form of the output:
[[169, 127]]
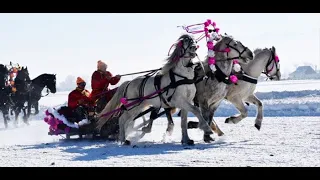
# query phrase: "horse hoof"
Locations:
[[229, 121], [257, 126], [207, 138], [146, 130], [193, 125], [126, 142], [188, 142], [170, 130]]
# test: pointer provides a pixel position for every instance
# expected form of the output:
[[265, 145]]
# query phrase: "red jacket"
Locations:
[[79, 97], [100, 82]]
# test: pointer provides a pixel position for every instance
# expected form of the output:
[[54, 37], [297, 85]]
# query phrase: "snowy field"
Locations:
[[282, 140]]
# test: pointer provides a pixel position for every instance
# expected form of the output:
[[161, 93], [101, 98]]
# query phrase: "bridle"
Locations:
[[227, 50], [274, 60], [191, 42]]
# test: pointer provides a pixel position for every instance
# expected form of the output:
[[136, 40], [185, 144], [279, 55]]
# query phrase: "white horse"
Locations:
[[172, 87], [265, 61]]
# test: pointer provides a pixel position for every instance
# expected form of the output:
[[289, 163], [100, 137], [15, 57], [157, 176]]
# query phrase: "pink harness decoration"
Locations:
[[211, 32]]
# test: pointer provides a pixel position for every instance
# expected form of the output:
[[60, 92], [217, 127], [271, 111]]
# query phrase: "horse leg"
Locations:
[[16, 115], [5, 121], [153, 116], [25, 116], [185, 136], [170, 126], [5, 115], [214, 126], [207, 115], [28, 110], [254, 100], [124, 123], [36, 107], [238, 103], [202, 122]]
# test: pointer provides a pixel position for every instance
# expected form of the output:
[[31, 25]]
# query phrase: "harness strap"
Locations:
[[247, 78], [157, 85], [174, 84], [141, 90], [219, 75]]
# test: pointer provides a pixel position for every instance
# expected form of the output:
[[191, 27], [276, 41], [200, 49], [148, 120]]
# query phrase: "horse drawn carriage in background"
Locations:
[[20, 93]]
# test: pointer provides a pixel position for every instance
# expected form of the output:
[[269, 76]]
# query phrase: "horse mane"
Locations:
[[42, 75], [259, 50], [174, 57]]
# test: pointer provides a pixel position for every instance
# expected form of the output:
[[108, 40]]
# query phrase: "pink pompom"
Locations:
[[46, 119], [233, 78], [217, 30], [207, 35], [213, 24], [124, 101], [210, 45], [211, 60], [206, 30], [227, 50], [235, 61], [206, 24], [209, 21], [276, 59]]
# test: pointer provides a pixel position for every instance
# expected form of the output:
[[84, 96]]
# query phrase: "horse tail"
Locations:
[[112, 105]]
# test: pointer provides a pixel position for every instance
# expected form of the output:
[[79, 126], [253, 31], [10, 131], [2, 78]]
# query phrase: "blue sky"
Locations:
[[71, 44]]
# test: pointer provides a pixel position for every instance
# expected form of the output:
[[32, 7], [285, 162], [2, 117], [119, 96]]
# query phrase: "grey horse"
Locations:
[[265, 61]]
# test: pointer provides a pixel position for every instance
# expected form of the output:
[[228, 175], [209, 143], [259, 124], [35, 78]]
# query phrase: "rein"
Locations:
[[47, 91], [150, 71], [153, 70]]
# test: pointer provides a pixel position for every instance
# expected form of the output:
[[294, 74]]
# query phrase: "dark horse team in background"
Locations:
[[27, 90]]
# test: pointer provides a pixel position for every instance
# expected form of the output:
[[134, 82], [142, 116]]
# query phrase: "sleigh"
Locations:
[[61, 121]]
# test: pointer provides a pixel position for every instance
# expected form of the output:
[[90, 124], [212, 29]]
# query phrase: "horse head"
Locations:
[[273, 66], [50, 82], [184, 51], [22, 80], [234, 49], [266, 61]]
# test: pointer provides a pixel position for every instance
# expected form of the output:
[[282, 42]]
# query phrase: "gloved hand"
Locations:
[[118, 76]]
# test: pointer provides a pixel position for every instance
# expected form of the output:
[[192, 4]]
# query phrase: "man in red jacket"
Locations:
[[79, 100], [100, 80]]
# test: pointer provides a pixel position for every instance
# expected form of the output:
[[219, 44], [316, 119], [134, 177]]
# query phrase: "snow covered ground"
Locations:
[[282, 141]]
